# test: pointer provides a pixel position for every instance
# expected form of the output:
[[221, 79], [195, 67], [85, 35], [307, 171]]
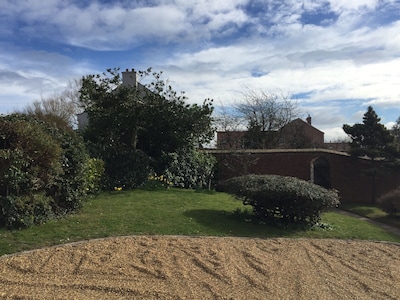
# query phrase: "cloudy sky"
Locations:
[[335, 57]]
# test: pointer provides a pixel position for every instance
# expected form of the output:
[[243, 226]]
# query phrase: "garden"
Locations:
[[130, 207]]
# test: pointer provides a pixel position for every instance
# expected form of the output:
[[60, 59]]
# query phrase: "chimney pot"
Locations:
[[309, 119]]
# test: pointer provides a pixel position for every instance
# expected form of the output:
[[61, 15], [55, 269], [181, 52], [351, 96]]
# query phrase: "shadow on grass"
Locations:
[[373, 213], [365, 211], [390, 220], [239, 223]]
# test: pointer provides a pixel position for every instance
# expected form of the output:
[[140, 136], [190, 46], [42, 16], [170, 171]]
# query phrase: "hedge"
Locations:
[[282, 199]]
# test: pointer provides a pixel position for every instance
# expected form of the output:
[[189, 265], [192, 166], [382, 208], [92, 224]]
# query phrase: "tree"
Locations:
[[372, 140], [265, 114], [396, 134], [127, 121], [59, 109]]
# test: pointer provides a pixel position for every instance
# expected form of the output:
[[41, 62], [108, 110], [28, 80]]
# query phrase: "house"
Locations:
[[294, 135]]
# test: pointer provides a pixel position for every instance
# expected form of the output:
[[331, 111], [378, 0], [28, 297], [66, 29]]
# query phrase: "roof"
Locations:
[[303, 122]]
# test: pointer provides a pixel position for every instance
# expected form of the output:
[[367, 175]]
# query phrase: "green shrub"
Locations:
[[94, 172], [70, 187], [190, 168], [29, 157], [390, 202], [155, 182], [126, 168], [41, 168], [25, 211], [282, 199]]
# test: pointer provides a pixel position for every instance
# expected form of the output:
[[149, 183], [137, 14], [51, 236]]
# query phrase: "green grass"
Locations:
[[172, 212], [372, 212]]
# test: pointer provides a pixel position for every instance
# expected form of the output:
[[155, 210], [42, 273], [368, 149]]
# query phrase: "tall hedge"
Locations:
[[42, 171], [282, 199]]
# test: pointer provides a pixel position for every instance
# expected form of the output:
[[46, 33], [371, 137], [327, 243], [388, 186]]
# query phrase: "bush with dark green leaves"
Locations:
[[281, 199], [190, 169], [390, 202], [25, 210], [42, 171], [125, 168]]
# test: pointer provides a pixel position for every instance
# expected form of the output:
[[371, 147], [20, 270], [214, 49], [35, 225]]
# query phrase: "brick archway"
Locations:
[[320, 172]]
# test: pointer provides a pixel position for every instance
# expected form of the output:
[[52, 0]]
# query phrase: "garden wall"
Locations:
[[328, 168]]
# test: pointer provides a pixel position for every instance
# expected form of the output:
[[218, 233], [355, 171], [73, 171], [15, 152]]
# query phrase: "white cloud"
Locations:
[[120, 25], [349, 55], [340, 6]]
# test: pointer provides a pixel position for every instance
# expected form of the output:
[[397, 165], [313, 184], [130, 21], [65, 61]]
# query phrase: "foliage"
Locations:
[[370, 138], [390, 202], [373, 140], [152, 119], [190, 168], [125, 168], [282, 199], [41, 166], [26, 210], [155, 182], [94, 171], [30, 159], [70, 187]]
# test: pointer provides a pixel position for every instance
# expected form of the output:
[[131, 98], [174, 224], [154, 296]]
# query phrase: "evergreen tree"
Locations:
[[372, 140]]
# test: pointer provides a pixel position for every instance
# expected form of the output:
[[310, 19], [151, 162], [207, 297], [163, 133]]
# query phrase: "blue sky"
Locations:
[[335, 57]]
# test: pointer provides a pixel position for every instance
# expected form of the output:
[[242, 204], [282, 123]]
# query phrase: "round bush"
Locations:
[[282, 199], [390, 202]]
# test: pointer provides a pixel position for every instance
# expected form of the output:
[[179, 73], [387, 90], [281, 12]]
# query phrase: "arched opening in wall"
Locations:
[[320, 172]]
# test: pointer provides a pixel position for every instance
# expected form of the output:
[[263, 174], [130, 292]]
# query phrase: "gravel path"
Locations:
[[173, 267]]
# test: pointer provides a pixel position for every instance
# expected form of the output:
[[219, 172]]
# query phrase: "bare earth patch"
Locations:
[[165, 267]]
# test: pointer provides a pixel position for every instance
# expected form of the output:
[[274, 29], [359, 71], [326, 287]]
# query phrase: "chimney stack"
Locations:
[[129, 78], [309, 119]]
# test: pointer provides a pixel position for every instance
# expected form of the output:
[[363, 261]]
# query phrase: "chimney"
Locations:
[[308, 119], [129, 78]]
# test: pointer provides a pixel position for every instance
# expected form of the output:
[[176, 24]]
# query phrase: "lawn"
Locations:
[[173, 212]]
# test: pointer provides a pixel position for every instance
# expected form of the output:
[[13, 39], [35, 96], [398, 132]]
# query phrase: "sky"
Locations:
[[334, 57]]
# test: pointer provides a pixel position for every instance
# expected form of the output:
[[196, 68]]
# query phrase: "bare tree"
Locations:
[[265, 114], [228, 124], [60, 109], [268, 111]]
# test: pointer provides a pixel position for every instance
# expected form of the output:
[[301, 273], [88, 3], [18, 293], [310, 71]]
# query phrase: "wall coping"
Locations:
[[261, 151]]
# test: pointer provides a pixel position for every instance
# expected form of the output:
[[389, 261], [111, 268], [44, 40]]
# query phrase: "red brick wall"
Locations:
[[346, 174]]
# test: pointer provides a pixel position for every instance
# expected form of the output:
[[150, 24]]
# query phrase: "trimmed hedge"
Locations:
[[282, 199]]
